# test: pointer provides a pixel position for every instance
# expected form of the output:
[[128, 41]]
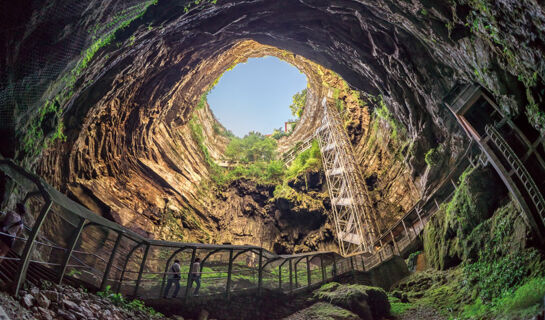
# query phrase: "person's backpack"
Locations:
[[176, 274]]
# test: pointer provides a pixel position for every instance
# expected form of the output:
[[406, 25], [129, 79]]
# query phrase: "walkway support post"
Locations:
[[125, 265], [110, 261], [141, 271], [291, 276], [395, 243], [322, 266], [260, 273], [229, 272], [295, 271], [334, 266], [405, 228], [29, 246], [73, 241], [280, 277], [308, 273], [420, 217], [193, 253]]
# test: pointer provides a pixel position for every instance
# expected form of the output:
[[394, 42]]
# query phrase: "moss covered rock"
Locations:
[[449, 236], [323, 311], [367, 302]]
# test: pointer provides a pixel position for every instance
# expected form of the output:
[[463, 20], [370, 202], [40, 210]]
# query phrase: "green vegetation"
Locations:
[[35, 138], [495, 276], [484, 24], [536, 117], [384, 114], [197, 2], [432, 157], [252, 148], [279, 133], [132, 305], [216, 172], [305, 160], [219, 130], [298, 104], [398, 308], [262, 172], [254, 157], [349, 296], [51, 111], [326, 311]]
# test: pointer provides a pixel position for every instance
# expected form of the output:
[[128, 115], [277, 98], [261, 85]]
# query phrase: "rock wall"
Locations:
[[126, 152]]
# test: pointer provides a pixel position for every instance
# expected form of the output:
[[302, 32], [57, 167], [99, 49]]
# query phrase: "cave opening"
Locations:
[[256, 96], [107, 103]]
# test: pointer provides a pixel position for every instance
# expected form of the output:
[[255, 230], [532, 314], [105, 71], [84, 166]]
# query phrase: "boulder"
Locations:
[[323, 310], [367, 302]]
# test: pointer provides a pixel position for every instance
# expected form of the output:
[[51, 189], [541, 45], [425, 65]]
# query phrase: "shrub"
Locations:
[[298, 103], [309, 158], [120, 301]]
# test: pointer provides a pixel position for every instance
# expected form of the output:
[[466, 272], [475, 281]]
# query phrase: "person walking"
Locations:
[[195, 275], [173, 278], [11, 224]]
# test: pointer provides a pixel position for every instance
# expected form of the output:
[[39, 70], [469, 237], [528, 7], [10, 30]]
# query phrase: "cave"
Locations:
[[416, 164]]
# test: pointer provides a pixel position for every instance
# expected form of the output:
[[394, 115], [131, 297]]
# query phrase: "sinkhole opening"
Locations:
[[263, 95]]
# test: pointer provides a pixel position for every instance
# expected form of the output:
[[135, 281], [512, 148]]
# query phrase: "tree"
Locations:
[[252, 148], [298, 104]]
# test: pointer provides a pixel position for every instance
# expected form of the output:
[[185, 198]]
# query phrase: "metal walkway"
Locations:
[[67, 243]]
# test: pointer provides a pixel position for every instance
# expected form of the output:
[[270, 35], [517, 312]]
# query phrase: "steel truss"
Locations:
[[355, 225]]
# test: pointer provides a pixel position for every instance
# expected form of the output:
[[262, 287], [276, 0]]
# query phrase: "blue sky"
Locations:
[[256, 95]]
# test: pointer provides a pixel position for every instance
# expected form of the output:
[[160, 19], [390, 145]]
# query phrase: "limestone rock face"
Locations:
[[130, 153]]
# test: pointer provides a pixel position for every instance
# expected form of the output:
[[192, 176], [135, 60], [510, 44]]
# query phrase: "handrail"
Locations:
[[340, 263], [520, 169]]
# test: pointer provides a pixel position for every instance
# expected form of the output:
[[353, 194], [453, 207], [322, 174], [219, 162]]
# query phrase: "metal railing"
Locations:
[[65, 242], [518, 167]]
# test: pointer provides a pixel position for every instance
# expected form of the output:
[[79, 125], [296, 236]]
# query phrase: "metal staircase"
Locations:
[[520, 170], [354, 224]]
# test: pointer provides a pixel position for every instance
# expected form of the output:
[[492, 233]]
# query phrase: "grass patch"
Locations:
[[398, 308]]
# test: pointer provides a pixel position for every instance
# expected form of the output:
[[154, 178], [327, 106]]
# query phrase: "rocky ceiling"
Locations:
[[124, 120]]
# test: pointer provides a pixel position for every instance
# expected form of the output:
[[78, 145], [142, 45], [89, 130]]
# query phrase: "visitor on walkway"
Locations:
[[195, 275], [11, 224], [173, 278]]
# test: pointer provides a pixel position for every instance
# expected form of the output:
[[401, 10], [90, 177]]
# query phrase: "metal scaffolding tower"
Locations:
[[355, 225]]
